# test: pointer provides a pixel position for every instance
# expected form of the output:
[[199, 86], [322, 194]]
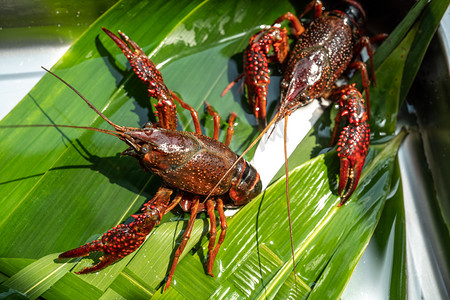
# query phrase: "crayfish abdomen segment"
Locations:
[[246, 183]]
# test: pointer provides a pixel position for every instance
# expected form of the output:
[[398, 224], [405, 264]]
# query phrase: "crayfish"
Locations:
[[323, 51], [201, 172]]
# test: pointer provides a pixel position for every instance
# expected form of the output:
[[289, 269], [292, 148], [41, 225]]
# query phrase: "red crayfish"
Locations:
[[324, 50], [191, 164]]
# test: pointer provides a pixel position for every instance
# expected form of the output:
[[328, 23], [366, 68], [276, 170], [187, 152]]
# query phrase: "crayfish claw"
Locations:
[[147, 71], [124, 239], [87, 249], [105, 261], [115, 244], [132, 44], [352, 150], [81, 251], [348, 180], [141, 64], [119, 42], [354, 139], [127, 45]]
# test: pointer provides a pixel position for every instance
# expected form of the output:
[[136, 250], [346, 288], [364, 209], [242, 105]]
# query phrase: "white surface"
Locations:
[[20, 70], [269, 156]]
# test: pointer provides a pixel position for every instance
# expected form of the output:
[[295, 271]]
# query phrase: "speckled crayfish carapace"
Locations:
[[323, 51], [190, 164]]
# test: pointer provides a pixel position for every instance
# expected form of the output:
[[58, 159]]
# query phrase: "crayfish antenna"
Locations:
[[231, 84], [117, 127], [288, 203]]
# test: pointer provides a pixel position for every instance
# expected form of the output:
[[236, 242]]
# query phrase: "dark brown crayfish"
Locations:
[[190, 164], [324, 50]]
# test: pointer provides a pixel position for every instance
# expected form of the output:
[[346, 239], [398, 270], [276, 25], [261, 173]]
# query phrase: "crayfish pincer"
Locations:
[[201, 172]]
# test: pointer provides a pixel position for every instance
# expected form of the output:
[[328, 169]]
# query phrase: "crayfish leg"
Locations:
[[186, 237], [317, 5], [213, 232], [231, 84], [297, 27], [365, 81], [216, 119], [230, 129], [194, 114], [367, 43], [337, 122]]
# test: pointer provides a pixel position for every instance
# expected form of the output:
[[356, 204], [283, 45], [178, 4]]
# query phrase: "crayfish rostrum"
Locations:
[[201, 172], [323, 50]]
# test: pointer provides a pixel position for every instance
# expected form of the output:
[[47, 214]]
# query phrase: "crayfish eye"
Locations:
[[144, 149], [277, 37], [148, 125]]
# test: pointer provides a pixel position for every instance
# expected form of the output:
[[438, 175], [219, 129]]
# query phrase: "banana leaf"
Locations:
[[63, 187]]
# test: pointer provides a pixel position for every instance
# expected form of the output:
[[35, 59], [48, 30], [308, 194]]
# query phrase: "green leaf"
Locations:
[[105, 188], [36, 278], [63, 187], [255, 259]]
